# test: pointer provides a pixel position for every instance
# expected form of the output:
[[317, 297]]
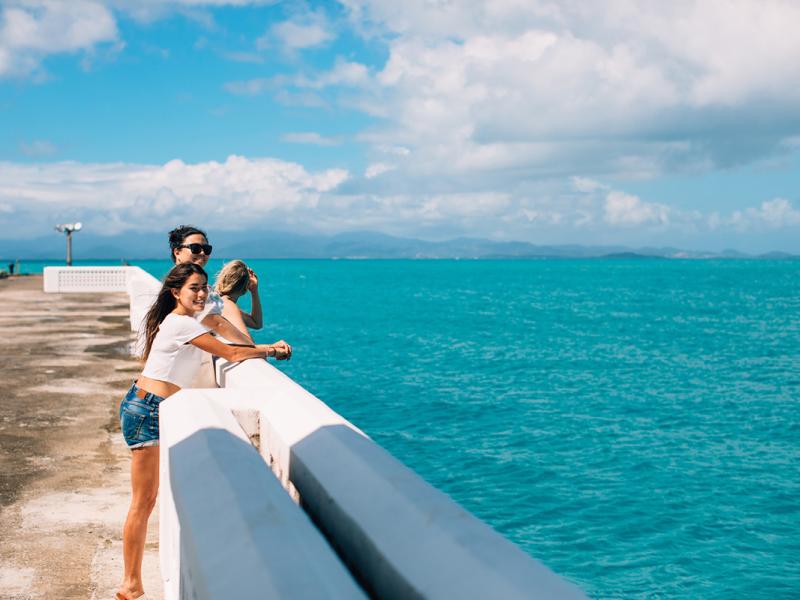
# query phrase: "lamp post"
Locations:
[[69, 228]]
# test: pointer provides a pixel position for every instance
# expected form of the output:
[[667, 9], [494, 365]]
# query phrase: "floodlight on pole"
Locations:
[[69, 228]]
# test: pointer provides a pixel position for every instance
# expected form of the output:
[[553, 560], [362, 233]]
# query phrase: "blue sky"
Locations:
[[626, 123]]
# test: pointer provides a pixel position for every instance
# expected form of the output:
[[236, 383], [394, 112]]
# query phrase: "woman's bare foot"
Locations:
[[128, 595]]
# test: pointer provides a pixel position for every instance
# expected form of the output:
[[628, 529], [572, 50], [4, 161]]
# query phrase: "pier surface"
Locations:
[[64, 468]]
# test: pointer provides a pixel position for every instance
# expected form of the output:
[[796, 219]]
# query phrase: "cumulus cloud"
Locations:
[[343, 73], [310, 137], [777, 213], [237, 193], [693, 48], [244, 57], [242, 193], [38, 148], [584, 184], [376, 169], [308, 31], [151, 10], [521, 89], [504, 116], [307, 99], [30, 30], [629, 210], [624, 89], [246, 194], [249, 87]]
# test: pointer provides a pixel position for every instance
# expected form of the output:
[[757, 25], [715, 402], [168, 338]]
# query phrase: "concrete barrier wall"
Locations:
[[142, 290], [228, 528], [401, 537]]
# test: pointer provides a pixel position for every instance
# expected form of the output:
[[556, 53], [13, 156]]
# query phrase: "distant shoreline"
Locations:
[[353, 245], [612, 256]]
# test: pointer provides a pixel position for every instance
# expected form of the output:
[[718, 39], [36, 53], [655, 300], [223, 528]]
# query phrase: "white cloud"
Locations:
[[244, 57], [38, 148], [778, 213], [151, 10], [500, 116], [343, 73], [531, 89], [395, 150], [249, 87], [238, 193], [584, 184], [307, 99], [310, 137], [242, 193], [30, 30], [448, 206], [309, 31], [696, 45], [376, 169], [629, 210]]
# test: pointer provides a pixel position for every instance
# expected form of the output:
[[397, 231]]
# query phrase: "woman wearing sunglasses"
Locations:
[[188, 244]]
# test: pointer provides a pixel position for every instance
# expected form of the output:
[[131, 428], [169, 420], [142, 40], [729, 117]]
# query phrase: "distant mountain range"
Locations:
[[356, 244]]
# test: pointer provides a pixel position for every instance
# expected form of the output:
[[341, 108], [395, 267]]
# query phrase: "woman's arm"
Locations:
[[234, 316], [223, 327], [254, 320], [280, 350]]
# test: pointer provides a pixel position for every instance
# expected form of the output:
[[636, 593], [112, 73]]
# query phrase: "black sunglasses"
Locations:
[[197, 248]]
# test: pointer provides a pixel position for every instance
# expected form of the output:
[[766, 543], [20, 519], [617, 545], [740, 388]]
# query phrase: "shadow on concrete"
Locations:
[[400, 536], [241, 536]]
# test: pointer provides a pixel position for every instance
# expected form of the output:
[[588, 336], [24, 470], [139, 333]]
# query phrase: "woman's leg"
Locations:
[[144, 486]]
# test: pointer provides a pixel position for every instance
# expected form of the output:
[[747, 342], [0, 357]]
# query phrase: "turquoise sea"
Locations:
[[635, 425]]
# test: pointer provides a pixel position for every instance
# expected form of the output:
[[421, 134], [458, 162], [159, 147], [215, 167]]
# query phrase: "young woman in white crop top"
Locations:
[[173, 348], [189, 244]]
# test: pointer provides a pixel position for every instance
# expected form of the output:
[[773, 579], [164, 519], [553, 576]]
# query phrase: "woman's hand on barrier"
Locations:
[[283, 351]]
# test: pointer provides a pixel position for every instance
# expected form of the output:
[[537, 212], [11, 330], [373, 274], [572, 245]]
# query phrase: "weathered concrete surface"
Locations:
[[64, 469]]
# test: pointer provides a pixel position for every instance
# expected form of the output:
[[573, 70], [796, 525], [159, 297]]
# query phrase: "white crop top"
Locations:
[[214, 305], [172, 358]]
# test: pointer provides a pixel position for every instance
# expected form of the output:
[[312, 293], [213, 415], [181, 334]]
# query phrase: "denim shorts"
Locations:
[[138, 419]]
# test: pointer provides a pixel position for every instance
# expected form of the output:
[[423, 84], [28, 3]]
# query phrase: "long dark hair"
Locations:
[[180, 233], [165, 301]]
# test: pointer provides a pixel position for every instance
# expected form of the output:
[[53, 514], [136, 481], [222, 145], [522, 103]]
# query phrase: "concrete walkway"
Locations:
[[64, 468]]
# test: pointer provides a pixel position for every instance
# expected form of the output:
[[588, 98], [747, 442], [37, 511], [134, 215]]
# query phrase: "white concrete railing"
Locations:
[[140, 286], [401, 537], [86, 279], [228, 528]]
